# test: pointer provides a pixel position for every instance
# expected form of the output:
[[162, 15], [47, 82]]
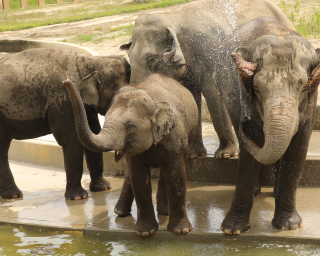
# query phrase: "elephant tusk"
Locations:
[[118, 155]]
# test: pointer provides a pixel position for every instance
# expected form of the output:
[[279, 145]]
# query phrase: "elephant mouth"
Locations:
[[249, 129], [117, 155]]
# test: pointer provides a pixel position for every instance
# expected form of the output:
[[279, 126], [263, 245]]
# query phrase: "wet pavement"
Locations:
[[44, 207]]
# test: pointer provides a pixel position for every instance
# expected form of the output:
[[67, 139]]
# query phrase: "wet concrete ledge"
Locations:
[[44, 208]]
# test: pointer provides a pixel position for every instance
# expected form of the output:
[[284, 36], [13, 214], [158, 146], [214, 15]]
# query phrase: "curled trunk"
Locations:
[[280, 125], [95, 142]]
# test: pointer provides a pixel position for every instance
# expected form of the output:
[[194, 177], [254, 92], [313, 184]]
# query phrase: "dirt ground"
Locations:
[[107, 43]]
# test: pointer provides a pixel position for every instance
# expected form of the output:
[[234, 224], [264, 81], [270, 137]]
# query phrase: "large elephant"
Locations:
[[271, 95], [152, 124], [185, 44], [33, 103]]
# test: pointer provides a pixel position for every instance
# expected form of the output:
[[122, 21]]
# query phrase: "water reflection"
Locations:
[[15, 241]]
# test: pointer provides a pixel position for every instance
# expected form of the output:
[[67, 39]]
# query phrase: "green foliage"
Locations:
[[17, 19]]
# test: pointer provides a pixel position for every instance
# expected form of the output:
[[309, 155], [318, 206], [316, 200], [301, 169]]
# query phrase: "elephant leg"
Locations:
[[197, 148], [290, 169], [8, 187], [221, 121], [237, 219], [73, 163], [162, 199], [141, 185], [175, 179], [95, 163], [123, 206]]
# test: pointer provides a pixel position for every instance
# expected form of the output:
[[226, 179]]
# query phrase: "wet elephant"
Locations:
[[152, 124], [33, 103], [270, 86], [185, 44]]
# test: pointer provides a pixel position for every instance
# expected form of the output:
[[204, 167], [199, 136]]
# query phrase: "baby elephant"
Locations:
[[152, 124], [34, 104]]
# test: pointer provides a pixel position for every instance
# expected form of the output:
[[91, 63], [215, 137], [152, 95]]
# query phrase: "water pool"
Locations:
[[15, 241]]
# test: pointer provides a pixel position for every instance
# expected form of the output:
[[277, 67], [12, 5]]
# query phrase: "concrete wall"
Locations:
[[202, 169], [21, 45]]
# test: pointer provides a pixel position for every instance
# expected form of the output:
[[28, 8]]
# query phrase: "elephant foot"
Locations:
[[287, 221], [162, 209], [235, 225], [76, 194], [226, 151], [197, 149], [11, 193], [123, 208], [146, 226], [179, 225], [99, 184]]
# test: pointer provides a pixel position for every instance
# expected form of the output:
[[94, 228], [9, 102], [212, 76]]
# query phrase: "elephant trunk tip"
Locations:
[[67, 82]]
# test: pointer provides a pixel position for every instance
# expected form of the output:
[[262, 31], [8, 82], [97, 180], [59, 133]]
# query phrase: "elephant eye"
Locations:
[[131, 127], [256, 89], [150, 61]]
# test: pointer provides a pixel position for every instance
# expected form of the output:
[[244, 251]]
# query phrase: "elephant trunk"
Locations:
[[280, 125], [95, 142]]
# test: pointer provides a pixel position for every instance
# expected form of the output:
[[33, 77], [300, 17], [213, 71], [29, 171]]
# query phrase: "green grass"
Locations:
[[14, 4], [17, 20], [307, 26]]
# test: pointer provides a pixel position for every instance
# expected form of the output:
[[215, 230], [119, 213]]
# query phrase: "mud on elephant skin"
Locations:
[[152, 124], [185, 44], [270, 86], [33, 103]]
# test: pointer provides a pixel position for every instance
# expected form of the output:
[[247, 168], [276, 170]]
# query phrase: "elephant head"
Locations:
[[154, 48], [281, 76], [98, 87], [132, 125]]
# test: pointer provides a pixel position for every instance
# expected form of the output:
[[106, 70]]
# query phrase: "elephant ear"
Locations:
[[175, 55], [245, 68], [90, 89], [126, 47], [162, 121], [314, 79]]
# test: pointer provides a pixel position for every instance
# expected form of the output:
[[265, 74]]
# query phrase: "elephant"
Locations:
[[152, 124], [33, 104], [269, 77], [184, 45]]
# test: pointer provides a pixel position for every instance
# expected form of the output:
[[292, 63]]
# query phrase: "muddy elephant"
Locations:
[[184, 44], [152, 124], [270, 86], [33, 103]]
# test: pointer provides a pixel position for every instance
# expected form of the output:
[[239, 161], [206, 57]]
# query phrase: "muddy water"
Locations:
[[14, 241]]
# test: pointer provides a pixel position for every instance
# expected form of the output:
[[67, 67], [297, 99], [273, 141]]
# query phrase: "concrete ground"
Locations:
[[44, 207]]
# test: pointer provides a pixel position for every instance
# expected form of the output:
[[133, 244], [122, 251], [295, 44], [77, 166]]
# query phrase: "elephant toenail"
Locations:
[[185, 230], [226, 156], [152, 231], [177, 231], [145, 234]]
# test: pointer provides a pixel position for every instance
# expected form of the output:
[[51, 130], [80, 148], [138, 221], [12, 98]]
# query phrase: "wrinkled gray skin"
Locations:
[[185, 44], [272, 108], [152, 124], [33, 103]]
